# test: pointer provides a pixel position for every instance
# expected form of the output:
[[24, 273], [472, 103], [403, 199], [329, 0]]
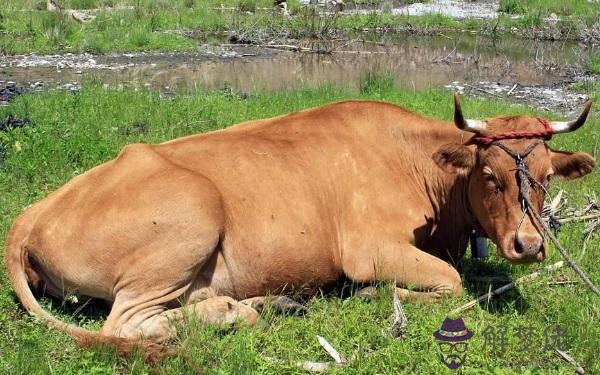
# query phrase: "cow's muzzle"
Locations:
[[525, 248]]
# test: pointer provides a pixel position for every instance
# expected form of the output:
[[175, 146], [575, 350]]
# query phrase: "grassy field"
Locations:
[[70, 133], [180, 25], [546, 7]]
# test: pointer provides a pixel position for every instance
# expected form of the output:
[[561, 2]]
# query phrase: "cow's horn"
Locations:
[[473, 126], [569, 126]]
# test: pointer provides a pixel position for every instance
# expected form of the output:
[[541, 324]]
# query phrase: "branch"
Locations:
[[506, 287]]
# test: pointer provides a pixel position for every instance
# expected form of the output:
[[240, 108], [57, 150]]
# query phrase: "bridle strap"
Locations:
[[524, 177]]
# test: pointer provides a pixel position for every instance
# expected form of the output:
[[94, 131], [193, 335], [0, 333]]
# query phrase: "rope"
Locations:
[[524, 179], [544, 134], [563, 252]]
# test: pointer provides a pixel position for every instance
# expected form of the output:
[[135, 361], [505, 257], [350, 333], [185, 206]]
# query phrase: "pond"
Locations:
[[456, 60]]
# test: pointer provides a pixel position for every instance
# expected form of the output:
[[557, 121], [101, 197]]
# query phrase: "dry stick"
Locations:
[[588, 236], [330, 350], [560, 249], [506, 287], [340, 361], [513, 89], [437, 59], [565, 282], [573, 362], [482, 90], [400, 320], [577, 218]]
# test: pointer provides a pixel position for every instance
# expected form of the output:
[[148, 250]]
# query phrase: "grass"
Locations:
[[70, 133], [594, 65], [546, 7], [180, 25]]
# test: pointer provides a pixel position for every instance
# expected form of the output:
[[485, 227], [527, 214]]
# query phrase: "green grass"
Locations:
[[158, 25], [594, 66], [546, 7], [69, 134]]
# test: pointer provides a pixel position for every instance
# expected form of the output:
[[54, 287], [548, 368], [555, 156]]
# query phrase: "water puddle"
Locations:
[[417, 62]]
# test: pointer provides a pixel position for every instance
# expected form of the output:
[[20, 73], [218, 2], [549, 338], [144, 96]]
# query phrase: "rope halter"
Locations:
[[524, 178]]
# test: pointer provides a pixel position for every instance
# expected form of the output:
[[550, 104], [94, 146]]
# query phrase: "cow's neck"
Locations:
[[452, 220]]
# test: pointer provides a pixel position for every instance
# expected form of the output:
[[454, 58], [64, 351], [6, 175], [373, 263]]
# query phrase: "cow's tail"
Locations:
[[15, 257]]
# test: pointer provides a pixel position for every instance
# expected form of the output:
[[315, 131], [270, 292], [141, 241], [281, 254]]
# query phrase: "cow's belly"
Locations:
[[241, 272]]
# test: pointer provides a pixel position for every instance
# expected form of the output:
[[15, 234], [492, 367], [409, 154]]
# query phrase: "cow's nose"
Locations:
[[528, 245]]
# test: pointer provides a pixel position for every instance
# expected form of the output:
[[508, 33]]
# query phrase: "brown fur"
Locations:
[[282, 205]]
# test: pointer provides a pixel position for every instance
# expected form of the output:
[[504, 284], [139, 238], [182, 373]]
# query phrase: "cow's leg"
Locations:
[[428, 277], [280, 304], [154, 277], [218, 311]]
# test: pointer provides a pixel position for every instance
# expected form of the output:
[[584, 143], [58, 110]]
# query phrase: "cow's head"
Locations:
[[493, 187]]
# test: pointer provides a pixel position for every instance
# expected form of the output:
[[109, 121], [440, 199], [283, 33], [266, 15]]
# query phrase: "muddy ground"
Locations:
[[534, 73]]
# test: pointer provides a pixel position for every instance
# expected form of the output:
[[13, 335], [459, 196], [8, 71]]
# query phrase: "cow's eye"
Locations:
[[491, 181]]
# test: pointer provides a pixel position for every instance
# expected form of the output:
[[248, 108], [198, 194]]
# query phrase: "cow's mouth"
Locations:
[[525, 249]]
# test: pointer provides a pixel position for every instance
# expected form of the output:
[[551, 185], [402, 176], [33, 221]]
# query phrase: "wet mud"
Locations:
[[542, 71]]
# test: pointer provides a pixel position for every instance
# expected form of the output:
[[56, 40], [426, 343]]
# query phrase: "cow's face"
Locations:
[[493, 189]]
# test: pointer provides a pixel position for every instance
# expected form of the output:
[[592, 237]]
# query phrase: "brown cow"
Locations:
[[358, 189]]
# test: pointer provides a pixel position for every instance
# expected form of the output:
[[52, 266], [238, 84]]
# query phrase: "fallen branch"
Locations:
[[578, 218], [506, 287], [482, 90], [565, 282], [400, 321], [330, 350], [309, 366], [589, 230], [513, 89], [445, 59], [572, 362]]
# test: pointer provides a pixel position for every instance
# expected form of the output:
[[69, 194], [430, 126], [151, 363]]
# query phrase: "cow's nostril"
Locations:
[[528, 245]]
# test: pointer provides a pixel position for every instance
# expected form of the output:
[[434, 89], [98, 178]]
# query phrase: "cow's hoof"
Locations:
[[286, 305], [280, 304], [366, 293]]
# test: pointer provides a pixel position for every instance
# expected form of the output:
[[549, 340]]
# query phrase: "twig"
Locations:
[[287, 47], [561, 249], [437, 60], [565, 282], [342, 45], [400, 321], [315, 366], [590, 230], [573, 362], [482, 90], [513, 89], [309, 366], [506, 287], [331, 350], [577, 218]]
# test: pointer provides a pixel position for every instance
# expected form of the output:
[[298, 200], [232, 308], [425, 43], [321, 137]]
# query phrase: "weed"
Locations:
[[375, 83], [247, 6], [594, 66], [512, 7]]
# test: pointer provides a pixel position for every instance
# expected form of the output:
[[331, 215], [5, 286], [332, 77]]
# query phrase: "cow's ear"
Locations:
[[454, 158], [571, 165]]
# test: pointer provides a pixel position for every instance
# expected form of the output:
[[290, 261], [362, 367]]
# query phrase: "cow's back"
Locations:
[[293, 185]]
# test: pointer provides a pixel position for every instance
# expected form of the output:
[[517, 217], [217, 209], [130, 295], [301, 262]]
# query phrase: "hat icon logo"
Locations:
[[452, 340]]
